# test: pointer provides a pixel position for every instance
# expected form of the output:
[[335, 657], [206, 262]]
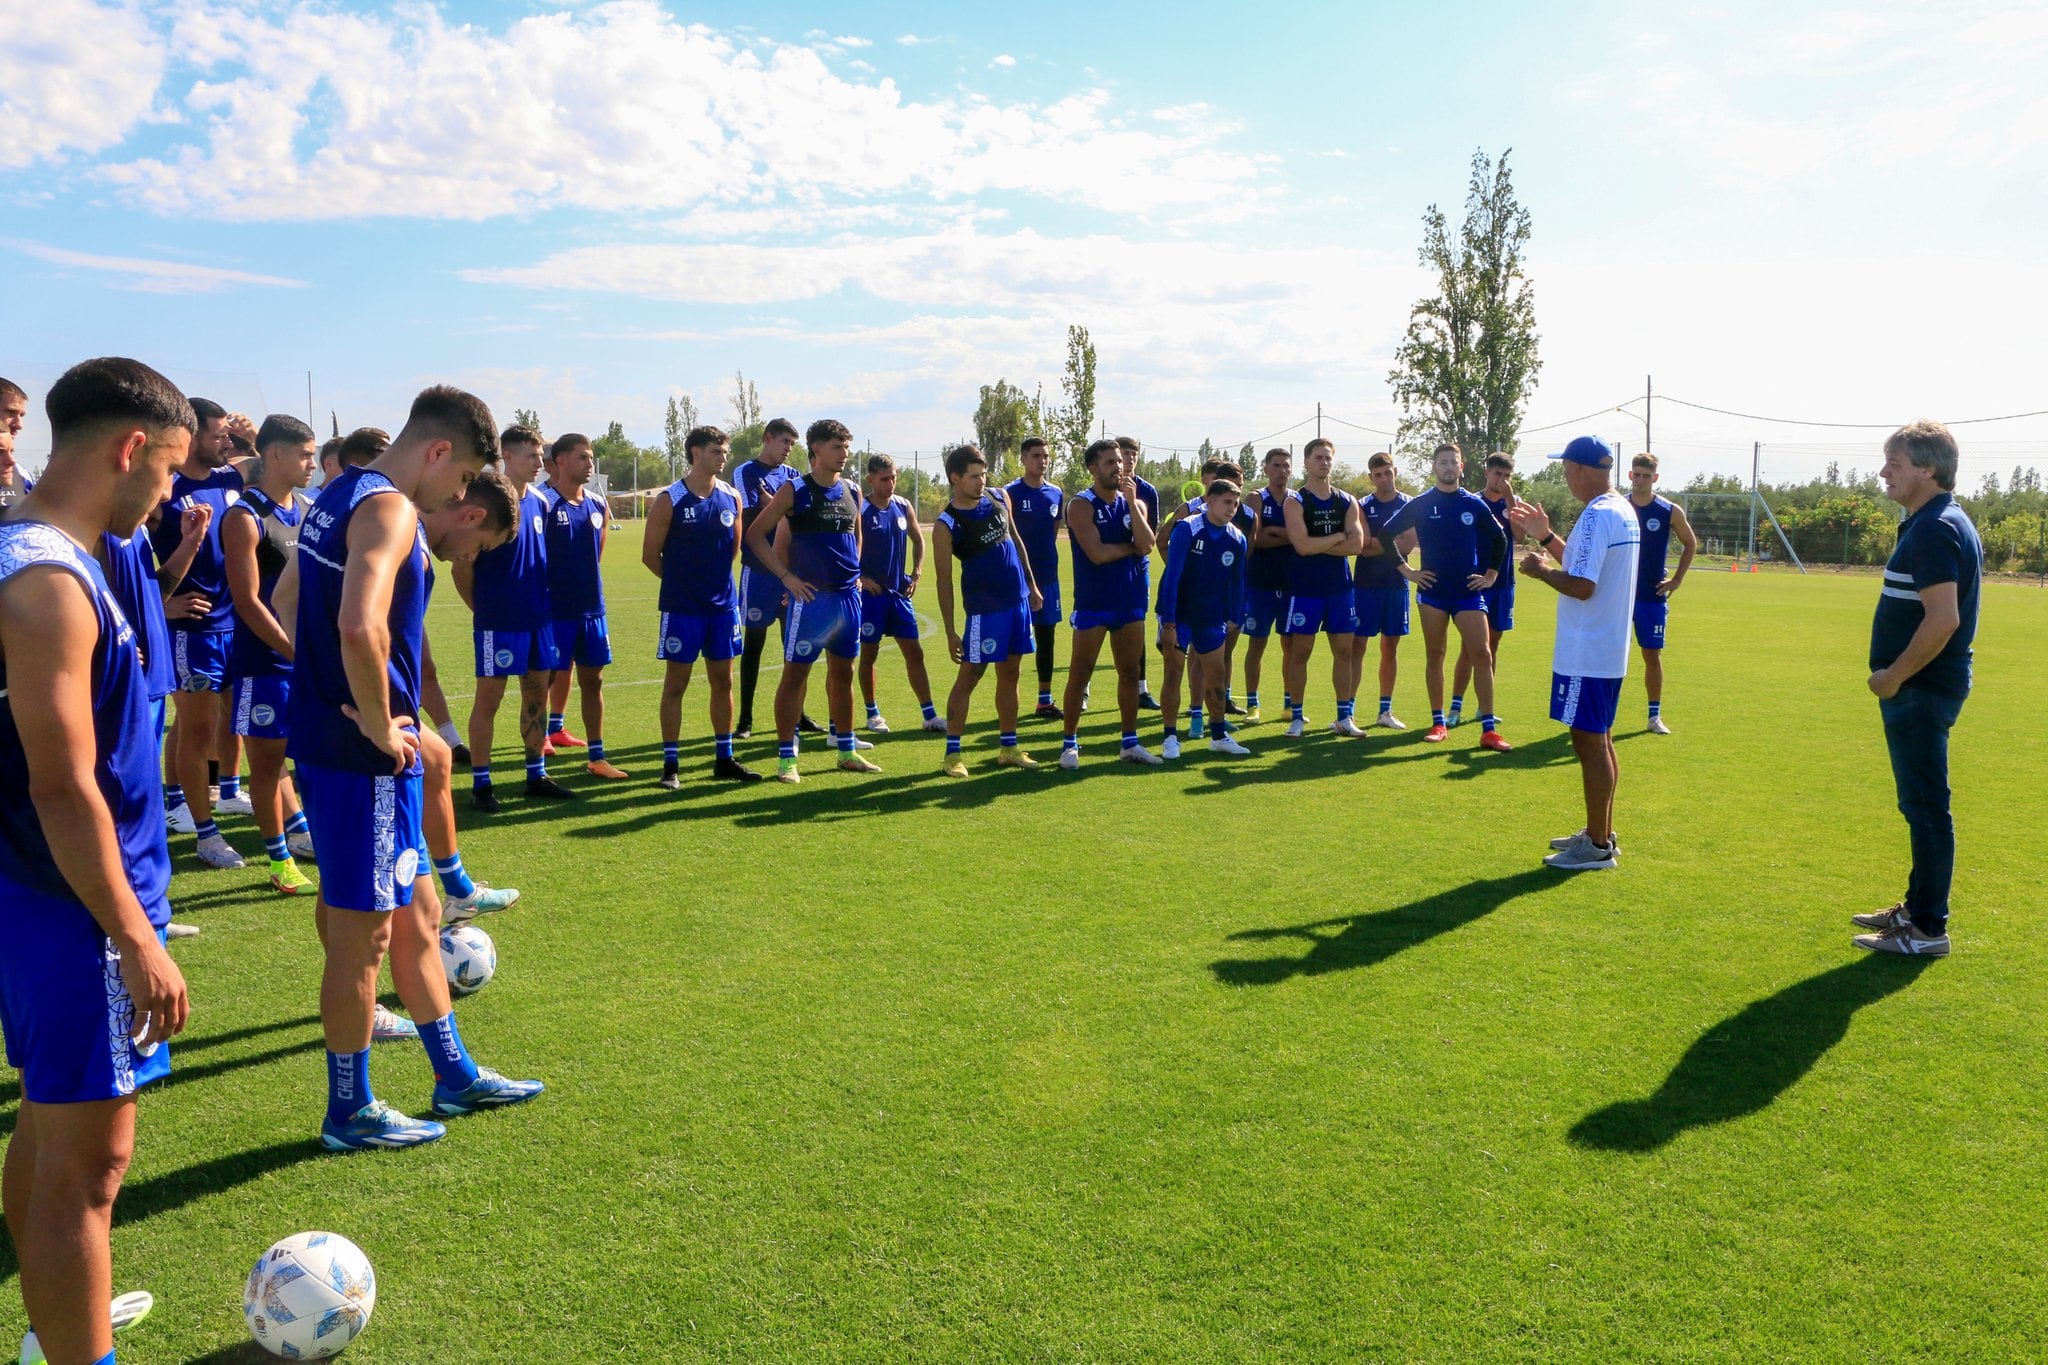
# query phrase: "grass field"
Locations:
[[1303, 1056]]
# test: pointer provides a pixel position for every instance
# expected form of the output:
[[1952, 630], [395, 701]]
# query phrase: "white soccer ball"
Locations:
[[469, 957], [309, 1296]]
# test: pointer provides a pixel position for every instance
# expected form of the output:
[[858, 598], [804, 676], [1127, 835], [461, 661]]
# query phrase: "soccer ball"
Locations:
[[309, 1296], [469, 957]]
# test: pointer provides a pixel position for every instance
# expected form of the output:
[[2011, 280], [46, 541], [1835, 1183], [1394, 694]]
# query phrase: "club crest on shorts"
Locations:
[[803, 649], [675, 644], [406, 867], [263, 715], [503, 658]]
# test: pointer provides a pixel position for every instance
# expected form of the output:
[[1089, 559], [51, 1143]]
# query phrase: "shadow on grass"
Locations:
[[243, 1353], [1746, 1061], [1349, 941], [1549, 751]]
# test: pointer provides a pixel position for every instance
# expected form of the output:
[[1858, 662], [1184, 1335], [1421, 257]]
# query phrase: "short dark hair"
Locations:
[[330, 453], [1325, 442], [1211, 465], [519, 434], [1276, 453], [1030, 444], [962, 458], [1228, 471], [1500, 459], [1644, 461], [1380, 460], [1929, 445], [96, 393], [363, 445], [564, 443], [449, 413], [823, 430], [10, 389], [878, 463], [206, 410], [779, 426], [1451, 446], [701, 438], [281, 428], [1108, 445], [1130, 443], [1219, 487], [492, 491]]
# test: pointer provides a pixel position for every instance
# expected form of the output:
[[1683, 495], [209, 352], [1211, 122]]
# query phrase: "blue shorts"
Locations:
[[259, 705], [1049, 614], [1262, 608], [889, 614], [1584, 703], [761, 596], [1331, 615], [509, 653], [199, 659], [1107, 620], [685, 635], [1500, 606], [586, 640], [367, 828], [1381, 611], [1199, 639], [69, 1021], [827, 624], [1650, 618], [995, 636], [1451, 603]]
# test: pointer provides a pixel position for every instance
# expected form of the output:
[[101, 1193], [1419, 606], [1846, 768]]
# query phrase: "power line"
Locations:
[[1356, 427], [1850, 426], [1574, 421]]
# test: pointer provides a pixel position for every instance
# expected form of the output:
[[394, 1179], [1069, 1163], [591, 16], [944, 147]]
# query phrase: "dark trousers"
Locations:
[[1916, 726]]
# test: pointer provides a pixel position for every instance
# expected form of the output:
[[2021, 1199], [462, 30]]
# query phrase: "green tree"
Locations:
[[1071, 424], [1001, 422], [746, 402], [675, 428], [1468, 363], [526, 417]]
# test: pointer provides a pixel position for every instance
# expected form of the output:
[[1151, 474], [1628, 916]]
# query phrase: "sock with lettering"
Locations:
[[452, 1066], [348, 1084]]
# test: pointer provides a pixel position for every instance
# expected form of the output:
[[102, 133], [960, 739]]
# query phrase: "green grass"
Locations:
[[1299, 1057]]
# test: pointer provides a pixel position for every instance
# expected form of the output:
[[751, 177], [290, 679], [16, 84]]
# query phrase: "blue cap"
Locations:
[[1589, 450]]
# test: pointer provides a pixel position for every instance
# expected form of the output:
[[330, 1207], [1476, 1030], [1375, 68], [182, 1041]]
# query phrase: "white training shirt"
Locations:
[[1592, 636]]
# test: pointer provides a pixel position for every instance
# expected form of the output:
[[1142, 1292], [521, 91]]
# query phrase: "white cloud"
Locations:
[[1002, 59], [75, 77], [911, 40], [153, 276]]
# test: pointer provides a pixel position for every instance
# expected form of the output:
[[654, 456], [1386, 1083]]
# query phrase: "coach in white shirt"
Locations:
[[1596, 588]]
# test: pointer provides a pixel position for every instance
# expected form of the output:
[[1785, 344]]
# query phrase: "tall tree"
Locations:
[[746, 402], [1001, 423], [1469, 362], [526, 417], [1074, 420], [675, 428]]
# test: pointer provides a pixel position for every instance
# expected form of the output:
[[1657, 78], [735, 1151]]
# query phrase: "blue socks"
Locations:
[[1386, 706], [1251, 699], [1457, 705], [1344, 709], [348, 1084], [295, 823], [174, 796], [1044, 697], [1130, 739], [1295, 711], [454, 877], [1436, 718], [452, 1066], [723, 744], [786, 750], [845, 742], [1008, 739], [230, 787], [873, 710], [1656, 709], [1070, 742], [536, 768], [277, 848], [596, 750], [952, 745], [208, 830], [480, 775], [1173, 732], [932, 712], [554, 722], [1488, 724], [671, 748]]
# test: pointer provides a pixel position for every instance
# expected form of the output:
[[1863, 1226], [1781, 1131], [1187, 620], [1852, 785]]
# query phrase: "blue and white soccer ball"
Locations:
[[469, 957], [309, 1296]]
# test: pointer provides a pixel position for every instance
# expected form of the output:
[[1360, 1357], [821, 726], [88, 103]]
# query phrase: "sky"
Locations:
[[1831, 213]]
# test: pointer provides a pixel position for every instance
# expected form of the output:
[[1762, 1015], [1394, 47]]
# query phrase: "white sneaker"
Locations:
[[1296, 728], [1389, 721], [1140, 755], [1227, 745], [179, 818], [238, 804], [1346, 726], [1582, 855], [1658, 727], [1170, 749], [877, 725], [301, 846], [1070, 759], [937, 725], [217, 852], [174, 929]]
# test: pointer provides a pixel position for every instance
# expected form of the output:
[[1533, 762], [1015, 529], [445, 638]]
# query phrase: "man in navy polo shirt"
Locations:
[[1920, 673]]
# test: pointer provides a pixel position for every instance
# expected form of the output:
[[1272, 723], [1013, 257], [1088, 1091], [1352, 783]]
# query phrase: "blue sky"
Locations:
[[1829, 212]]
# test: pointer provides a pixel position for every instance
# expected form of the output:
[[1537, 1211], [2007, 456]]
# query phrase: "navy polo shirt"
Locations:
[[1937, 544]]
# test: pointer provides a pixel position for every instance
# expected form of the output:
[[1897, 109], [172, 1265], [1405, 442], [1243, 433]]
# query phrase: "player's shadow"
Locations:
[[1309, 757], [1348, 941], [1549, 751], [242, 1353], [1740, 1065], [141, 1199]]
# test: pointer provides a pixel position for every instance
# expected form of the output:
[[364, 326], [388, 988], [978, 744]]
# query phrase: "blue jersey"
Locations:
[[1380, 570], [1458, 537], [320, 733], [885, 543], [1654, 521], [1205, 573], [1149, 495], [511, 582], [575, 548], [1120, 584], [696, 559], [1268, 569], [757, 483], [1937, 544], [126, 767], [991, 574], [277, 540], [130, 567], [1320, 575], [1507, 528], [219, 490], [1037, 513], [824, 537]]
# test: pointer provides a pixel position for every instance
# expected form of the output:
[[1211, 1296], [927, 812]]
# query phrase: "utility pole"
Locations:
[[1647, 447], [1319, 421], [1756, 459]]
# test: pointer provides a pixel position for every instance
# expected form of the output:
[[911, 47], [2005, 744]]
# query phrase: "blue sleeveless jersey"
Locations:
[[1320, 575], [885, 543], [1458, 537], [574, 536], [1268, 568], [1120, 584], [1655, 523], [1038, 513], [320, 733], [125, 763], [991, 575], [696, 559], [757, 483], [277, 527], [823, 543], [130, 567], [1377, 570], [511, 582], [219, 490]]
